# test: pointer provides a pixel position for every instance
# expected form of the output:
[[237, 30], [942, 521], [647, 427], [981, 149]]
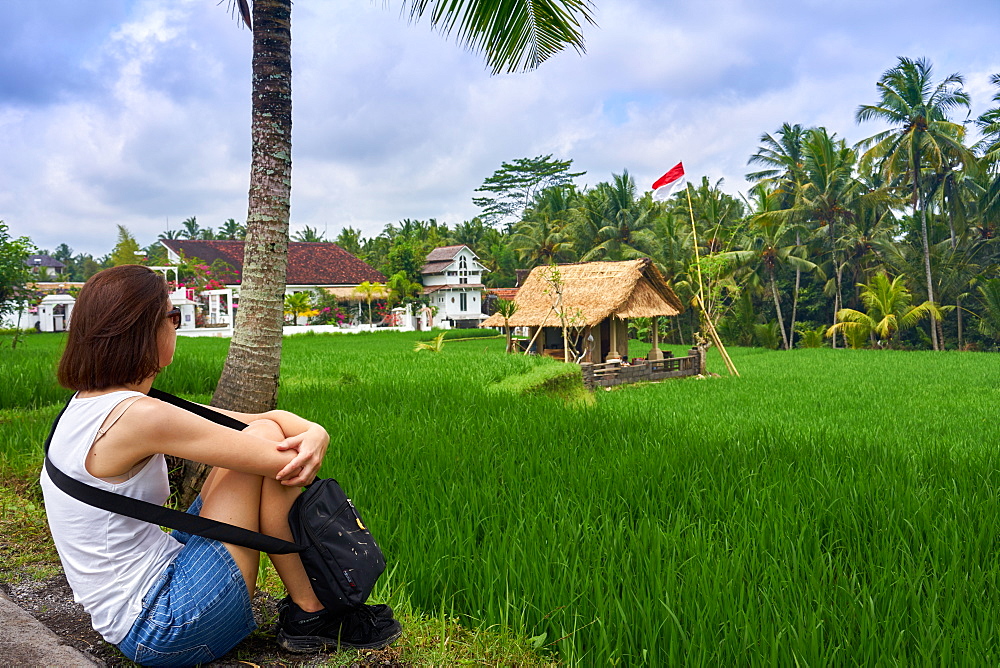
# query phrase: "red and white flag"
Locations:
[[665, 185]]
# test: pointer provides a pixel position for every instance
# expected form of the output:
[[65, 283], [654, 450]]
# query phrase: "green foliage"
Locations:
[[767, 336], [308, 235], [350, 240], [553, 378], [231, 230], [811, 337], [369, 291], [406, 258], [513, 37], [299, 304], [14, 274], [889, 311], [513, 186], [450, 334], [435, 345], [127, 250]]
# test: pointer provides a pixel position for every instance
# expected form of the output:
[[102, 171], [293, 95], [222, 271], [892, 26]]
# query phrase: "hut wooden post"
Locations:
[[613, 331], [655, 353]]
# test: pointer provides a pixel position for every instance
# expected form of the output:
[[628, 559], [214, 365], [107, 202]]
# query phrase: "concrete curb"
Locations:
[[25, 641]]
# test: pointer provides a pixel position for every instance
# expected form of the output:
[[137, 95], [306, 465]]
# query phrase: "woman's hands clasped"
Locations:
[[310, 447]]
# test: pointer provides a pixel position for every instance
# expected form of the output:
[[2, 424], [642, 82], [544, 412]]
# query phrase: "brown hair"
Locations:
[[114, 328]]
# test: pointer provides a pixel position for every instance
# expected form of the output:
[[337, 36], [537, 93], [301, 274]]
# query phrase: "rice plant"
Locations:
[[829, 507]]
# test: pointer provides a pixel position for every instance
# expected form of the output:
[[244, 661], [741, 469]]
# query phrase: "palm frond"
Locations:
[[513, 35]]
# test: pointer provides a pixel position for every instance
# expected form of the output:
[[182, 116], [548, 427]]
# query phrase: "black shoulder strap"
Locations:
[[159, 515]]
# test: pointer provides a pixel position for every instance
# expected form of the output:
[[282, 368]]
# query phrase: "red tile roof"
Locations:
[[308, 263], [504, 293]]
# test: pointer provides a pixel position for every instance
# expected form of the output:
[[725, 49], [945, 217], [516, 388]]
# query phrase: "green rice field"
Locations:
[[829, 507]]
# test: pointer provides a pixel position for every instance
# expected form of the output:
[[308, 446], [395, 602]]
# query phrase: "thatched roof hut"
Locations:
[[593, 291]]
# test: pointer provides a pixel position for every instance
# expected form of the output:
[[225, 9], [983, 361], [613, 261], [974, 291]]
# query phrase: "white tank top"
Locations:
[[110, 560]]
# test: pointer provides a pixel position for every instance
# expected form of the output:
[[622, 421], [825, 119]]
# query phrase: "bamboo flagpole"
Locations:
[[700, 297]]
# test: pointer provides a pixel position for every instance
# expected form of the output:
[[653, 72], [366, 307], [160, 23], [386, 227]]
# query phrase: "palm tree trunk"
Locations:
[[954, 245], [795, 298], [777, 308], [836, 310], [927, 254], [958, 307], [249, 381]]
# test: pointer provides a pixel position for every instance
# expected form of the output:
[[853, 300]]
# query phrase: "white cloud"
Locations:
[[392, 121]]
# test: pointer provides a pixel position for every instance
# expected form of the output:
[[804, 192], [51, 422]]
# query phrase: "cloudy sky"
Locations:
[[137, 112]]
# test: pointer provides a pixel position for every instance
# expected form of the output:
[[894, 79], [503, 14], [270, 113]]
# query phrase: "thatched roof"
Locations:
[[594, 291]]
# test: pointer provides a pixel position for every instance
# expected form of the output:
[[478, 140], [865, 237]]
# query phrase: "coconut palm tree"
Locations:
[[309, 235], [768, 246], [783, 162], [231, 230], [989, 128], [921, 135], [298, 304], [623, 221], [370, 291], [889, 311], [541, 240], [191, 228], [988, 293], [513, 36]]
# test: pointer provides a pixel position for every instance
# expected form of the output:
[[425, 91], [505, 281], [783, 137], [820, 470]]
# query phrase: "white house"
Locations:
[[453, 281]]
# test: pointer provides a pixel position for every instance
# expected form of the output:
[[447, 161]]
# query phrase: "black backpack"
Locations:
[[340, 556]]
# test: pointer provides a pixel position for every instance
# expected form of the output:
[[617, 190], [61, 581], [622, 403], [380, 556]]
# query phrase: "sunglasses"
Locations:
[[175, 317]]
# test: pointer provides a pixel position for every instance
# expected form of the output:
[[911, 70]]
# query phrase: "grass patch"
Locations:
[[26, 548], [549, 379], [828, 507]]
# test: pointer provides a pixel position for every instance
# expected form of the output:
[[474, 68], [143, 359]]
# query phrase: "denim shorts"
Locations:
[[196, 611]]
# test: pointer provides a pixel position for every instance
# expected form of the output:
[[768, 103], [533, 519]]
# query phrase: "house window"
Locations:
[[463, 280], [462, 264], [462, 304], [453, 273]]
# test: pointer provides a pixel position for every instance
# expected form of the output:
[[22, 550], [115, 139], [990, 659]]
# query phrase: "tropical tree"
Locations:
[[514, 36], [506, 308], [14, 273], [350, 240], [402, 290], [232, 230], [783, 163], [127, 250], [513, 187], [370, 291], [989, 128], [623, 220], [989, 307], [192, 230], [541, 238], [308, 235], [768, 246], [889, 310], [299, 304], [470, 233], [921, 135]]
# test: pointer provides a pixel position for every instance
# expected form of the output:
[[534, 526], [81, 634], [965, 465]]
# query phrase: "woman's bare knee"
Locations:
[[265, 428]]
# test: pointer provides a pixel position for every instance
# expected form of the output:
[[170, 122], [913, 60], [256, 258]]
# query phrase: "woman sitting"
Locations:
[[176, 599]]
